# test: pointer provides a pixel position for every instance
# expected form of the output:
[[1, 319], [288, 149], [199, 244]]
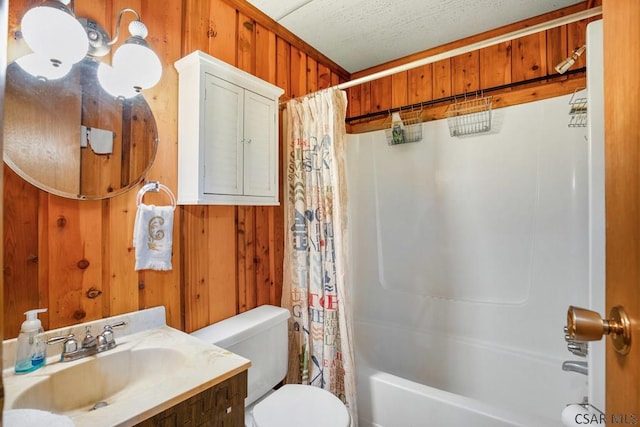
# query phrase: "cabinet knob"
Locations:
[[248, 141]]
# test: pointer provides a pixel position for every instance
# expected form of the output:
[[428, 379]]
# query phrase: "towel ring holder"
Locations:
[[155, 186]]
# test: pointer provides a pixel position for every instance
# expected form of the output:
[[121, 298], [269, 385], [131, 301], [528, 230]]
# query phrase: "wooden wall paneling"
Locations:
[[298, 73], [354, 97], [529, 57], [556, 47], [399, 89], [165, 23], [466, 73], [335, 79], [246, 255], [221, 247], [366, 104], [20, 255], [223, 38], [442, 79], [265, 54], [263, 274], [120, 256], [312, 75], [195, 235], [283, 66], [198, 27], [74, 260], [246, 44], [324, 76], [381, 90], [495, 65], [276, 243], [420, 84], [209, 270]]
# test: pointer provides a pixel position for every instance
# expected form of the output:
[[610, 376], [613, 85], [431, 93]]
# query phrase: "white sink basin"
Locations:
[[94, 382], [149, 371]]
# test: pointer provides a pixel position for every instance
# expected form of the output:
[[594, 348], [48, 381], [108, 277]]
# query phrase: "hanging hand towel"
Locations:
[[153, 237]]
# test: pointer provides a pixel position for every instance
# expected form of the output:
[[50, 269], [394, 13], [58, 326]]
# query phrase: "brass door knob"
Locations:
[[586, 325]]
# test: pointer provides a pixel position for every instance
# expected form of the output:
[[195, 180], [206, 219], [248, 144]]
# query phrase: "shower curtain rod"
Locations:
[[589, 13]]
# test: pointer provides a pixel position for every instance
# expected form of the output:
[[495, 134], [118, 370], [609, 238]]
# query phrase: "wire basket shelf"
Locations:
[[410, 131], [469, 116], [578, 110]]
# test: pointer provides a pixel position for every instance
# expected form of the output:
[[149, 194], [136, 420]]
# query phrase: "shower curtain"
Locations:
[[314, 284]]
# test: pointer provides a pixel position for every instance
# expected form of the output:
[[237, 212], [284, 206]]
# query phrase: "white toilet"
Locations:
[[260, 335]]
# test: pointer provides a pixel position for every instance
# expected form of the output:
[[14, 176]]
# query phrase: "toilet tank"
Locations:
[[259, 335]]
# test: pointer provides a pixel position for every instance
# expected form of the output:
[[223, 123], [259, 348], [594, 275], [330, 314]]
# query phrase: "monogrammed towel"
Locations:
[[153, 237]]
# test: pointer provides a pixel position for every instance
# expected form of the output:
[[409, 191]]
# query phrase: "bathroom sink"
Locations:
[[152, 368], [94, 382]]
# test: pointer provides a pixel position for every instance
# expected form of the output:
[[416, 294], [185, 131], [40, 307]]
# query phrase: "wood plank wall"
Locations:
[[507, 67], [60, 252], [227, 259]]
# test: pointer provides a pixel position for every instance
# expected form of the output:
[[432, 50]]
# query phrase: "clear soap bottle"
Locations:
[[31, 351]]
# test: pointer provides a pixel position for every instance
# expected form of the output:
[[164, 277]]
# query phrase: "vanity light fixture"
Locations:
[[56, 39], [567, 63], [59, 40], [134, 66]]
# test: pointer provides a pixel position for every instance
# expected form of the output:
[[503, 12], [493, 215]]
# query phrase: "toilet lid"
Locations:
[[295, 405]]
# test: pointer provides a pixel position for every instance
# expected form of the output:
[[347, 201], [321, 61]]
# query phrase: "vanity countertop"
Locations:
[[153, 368]]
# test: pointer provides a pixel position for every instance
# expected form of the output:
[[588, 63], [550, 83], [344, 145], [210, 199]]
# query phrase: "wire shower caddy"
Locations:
[[470, 116], [411, 130], [578, 110]]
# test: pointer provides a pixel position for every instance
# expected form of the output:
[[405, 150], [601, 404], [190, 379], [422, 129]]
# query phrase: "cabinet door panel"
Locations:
[[260, 155], [223, 154]]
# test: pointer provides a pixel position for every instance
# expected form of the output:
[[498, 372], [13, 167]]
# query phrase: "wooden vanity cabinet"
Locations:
[[219, 406]]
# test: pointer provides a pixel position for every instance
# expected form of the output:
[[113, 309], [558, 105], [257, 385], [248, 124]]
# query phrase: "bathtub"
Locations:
[[464, 256], [469, 384]]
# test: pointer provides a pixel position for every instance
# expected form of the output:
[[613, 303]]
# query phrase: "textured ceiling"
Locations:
[[358, 34]]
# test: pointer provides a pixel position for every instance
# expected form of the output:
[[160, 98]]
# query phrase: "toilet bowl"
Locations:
[[260, 335]]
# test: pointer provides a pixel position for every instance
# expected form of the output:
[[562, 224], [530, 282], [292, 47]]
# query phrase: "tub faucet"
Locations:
[[576, 366]]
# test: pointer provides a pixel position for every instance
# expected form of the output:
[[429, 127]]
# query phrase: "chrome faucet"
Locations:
[[90, 345], [576, 366]]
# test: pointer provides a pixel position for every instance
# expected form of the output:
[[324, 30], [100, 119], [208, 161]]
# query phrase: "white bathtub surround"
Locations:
[[466, 254], [314, 286]]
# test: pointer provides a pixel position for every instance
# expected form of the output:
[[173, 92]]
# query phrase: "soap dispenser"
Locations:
[[31, 349]]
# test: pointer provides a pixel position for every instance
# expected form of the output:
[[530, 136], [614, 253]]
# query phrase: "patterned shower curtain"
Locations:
[[314, 288]]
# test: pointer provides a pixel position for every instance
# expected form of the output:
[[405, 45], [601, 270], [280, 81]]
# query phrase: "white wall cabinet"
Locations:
[[227, 134]]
